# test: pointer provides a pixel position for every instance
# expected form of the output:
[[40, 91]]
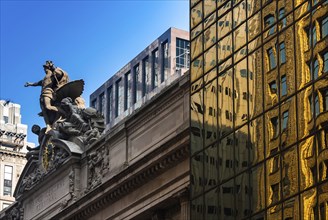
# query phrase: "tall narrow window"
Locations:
[[283, 88], [155, 68], [324, 27], [273, 87], [281, 16], [272, 59], [182, 53], [137, 84], [101, 103], [7, 183], [316, 104], [109, 104], [146, 76], [284, 120], [325, 99], [127, 91], [325, 62], [118, 97], [282, 54], [165, 58], [268, 22], [311, 106], [315, 69], [275, 126], [314, 35]]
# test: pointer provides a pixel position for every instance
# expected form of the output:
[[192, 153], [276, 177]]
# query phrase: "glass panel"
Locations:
[[256, 140], [196, 46], [289, 171], [210, 114], [211, 163], [242, 97], [197, 114], [273, 175], [224, 25], [197, 176], [309, 208], [241, 149], [212, 205], [197, 206], [196, 69], [210, 36], [240, 37], [227, 200], [254, 26], [210, 59], [272, 130], [257, 188], [209, 6], [253, 6], [208, 21], [239, 14], [291, 208], [196, 15], [224, 48], [242, 194], [209, 76], [226, 154], [195, 32]]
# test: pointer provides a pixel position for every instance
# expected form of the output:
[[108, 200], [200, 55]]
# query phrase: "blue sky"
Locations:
[[91, 40]]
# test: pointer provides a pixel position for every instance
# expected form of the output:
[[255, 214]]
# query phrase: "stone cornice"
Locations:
[[12, 153], [155, 163]]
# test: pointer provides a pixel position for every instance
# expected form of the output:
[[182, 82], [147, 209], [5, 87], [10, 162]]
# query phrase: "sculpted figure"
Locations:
[[53, 80]]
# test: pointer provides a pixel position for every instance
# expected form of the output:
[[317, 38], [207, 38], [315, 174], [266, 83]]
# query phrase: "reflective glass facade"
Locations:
[[259, 117]]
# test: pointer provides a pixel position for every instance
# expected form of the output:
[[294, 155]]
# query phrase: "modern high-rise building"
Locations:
[[13, 144], [144, 76], [259, 109]]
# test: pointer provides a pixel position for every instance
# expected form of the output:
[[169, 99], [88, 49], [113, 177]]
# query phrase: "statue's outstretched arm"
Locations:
[[27, 84]]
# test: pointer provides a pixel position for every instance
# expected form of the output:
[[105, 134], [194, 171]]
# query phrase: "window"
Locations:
[[324, 27], [284, 120], [145, 76], [101, 103], [155, 69], [109, 104], [283, 88], [314, 69], [182, 53], [269, 21], [127, 91], [275, 193], [243, 73], [94, 103], [281, 16], [273, 87], [275, 164], [165, 55], [137, 93], [282, 54], [6, 119], [272, 59], [325, 99], [118, 97], [325, 62], [275, 126], [314, 35], [7, 186], [316, 104]]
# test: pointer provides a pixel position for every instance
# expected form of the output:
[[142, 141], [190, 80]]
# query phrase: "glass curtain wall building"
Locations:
[[259, 109]]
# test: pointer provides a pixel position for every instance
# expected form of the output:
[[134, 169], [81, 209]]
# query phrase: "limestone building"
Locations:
[[163, 61], [13, 144], [259, 109]]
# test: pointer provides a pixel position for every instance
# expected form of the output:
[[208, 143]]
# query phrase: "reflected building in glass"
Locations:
[[259, 109]]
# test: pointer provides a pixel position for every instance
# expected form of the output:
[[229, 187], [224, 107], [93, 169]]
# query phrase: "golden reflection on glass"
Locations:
[[257, 188], [254, 26], [288, 129], [225, 7], [254, 45], [241, 190], [255, 83], [226, 154], [301, 10], [196, 46], [196, 85], [196, 15], [196, 69], [210, 75], [272, 131], [209, 7], [224, 47], [197, 177], [239, 13], [309, 210], [227, 200], [305, 112], [308, 165], [208, 21], [212, 205], [195, 32], [291, 208], [256, 140], [240, 36], [241, 94], [224, 25], [225, 103], [197, 114], [241, 149], [289, 171], [240, 54], [224, 66], [210, 113], [323, 200], [211, 163], [253, 6], [210, 59], [210, 36]]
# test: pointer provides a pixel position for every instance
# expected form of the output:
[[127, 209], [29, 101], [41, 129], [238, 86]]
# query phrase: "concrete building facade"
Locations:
[[259, 109], [156, 67], [13, 142]]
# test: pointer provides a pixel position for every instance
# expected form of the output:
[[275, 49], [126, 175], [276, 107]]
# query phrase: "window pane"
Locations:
[[324, 27], [283, 85]]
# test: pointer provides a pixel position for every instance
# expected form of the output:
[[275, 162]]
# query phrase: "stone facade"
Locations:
[[139, 169]]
